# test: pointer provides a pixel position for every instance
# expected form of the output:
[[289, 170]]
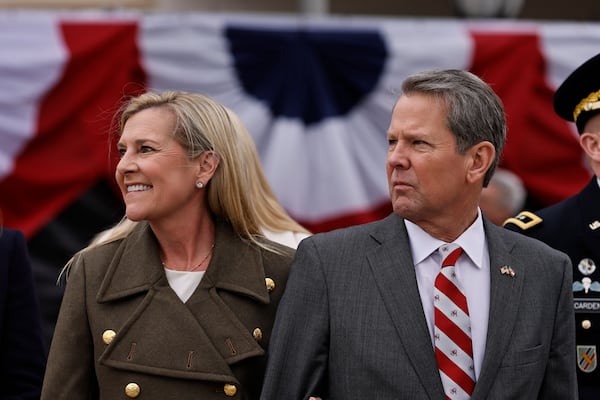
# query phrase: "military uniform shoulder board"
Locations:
[[524, 220]]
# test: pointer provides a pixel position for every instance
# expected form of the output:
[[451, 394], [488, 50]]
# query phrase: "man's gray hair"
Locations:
[[474, 111]]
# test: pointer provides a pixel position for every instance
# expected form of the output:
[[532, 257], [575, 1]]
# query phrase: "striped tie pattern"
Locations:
[[452, 333]]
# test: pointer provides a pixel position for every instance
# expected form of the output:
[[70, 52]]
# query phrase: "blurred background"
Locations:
[[314, 81], [582, 10]]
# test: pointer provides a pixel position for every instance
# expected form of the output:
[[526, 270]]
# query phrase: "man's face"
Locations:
[[426, 175]]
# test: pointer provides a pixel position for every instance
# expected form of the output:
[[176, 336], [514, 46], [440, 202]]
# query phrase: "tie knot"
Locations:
[[450, 253]]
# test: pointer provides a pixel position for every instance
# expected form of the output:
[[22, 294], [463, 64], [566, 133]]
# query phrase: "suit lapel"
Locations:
[[505, 296], [394, 273]]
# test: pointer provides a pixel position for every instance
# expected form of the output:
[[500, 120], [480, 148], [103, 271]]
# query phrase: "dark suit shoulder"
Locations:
[[549, 224], [351, 233], [527, 244], [11, 240], [23, 355]]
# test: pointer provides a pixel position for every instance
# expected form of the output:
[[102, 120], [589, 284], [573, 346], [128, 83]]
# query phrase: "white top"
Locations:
[[472, 271], [184, 282]]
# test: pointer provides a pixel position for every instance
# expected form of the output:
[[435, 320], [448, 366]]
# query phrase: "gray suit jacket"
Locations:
[[351, 325]]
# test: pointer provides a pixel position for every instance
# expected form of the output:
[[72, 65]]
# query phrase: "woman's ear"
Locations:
[[481, 157], [207, 163]]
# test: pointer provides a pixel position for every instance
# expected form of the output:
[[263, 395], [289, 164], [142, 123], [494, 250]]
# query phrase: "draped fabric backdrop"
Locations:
[[316, 94]]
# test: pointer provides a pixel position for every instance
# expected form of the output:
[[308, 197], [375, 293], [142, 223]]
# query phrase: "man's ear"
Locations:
[[207, 163], [481, 157], [590, 143]]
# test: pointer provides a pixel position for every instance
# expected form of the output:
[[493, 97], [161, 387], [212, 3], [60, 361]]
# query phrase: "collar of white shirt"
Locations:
[[422, 244]]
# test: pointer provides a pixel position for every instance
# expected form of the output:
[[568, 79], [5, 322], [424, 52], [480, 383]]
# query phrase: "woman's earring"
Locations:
[[199, 184]]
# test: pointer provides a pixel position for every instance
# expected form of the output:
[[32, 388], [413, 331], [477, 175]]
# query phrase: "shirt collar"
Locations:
[[422, 244]]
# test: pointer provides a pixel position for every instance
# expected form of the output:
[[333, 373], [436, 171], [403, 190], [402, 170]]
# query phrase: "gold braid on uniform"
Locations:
[[592, 102], [524, 220]]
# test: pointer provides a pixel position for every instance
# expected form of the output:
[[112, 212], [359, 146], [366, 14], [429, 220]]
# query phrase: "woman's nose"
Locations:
[[126, 164]]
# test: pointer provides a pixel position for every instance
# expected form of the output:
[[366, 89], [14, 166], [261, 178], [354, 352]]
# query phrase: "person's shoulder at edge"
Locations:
[[532, 242], [529, 222], [13, 238]]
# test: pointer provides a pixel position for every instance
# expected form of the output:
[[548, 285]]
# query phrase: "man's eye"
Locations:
[[121, 152]]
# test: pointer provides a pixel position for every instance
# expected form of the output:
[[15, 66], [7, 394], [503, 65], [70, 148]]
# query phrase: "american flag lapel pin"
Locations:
[[506, 270]]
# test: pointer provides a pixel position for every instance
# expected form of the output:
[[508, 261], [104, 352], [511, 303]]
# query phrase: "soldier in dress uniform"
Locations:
[[573, 225]]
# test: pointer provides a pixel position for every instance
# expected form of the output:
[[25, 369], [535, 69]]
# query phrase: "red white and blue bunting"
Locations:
[[316, 94]]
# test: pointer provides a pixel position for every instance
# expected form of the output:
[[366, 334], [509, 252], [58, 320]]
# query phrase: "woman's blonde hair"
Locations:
[[238, 191]]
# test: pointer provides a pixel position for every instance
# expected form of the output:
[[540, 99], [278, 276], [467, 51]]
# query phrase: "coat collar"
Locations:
[[136, 266]]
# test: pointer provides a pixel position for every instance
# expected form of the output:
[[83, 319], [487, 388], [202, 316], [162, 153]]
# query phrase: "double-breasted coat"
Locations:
[[122, 332]]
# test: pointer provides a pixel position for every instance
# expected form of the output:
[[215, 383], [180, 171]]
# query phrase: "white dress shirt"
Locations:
[[472, 271]]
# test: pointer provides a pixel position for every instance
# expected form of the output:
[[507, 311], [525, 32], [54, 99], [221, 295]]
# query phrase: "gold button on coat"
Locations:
[[108, 336], [132, 390], [257, 333], [270, 284], [230, 390], [586, 324]]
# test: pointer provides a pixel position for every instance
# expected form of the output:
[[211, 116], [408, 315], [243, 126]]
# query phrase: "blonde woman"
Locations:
[[177, 301]]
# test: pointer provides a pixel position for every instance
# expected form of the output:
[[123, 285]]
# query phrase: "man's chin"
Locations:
[[402, 207]]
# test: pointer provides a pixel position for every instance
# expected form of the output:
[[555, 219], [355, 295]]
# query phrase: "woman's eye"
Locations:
[[146, 149], [121, 152]]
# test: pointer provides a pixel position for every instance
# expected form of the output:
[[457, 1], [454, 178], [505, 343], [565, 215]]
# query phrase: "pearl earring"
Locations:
[[199, 184]]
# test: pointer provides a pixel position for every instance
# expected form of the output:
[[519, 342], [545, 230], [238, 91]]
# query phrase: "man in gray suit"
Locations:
[[359, 316]]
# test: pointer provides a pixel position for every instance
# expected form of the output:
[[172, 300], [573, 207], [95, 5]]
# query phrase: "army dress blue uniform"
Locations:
[[573, 227]]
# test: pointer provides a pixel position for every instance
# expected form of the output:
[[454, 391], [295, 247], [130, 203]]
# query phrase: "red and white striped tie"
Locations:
[[452, 334]]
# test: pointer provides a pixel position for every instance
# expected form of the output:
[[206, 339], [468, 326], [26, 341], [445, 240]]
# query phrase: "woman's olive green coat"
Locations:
[[123, 333]]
